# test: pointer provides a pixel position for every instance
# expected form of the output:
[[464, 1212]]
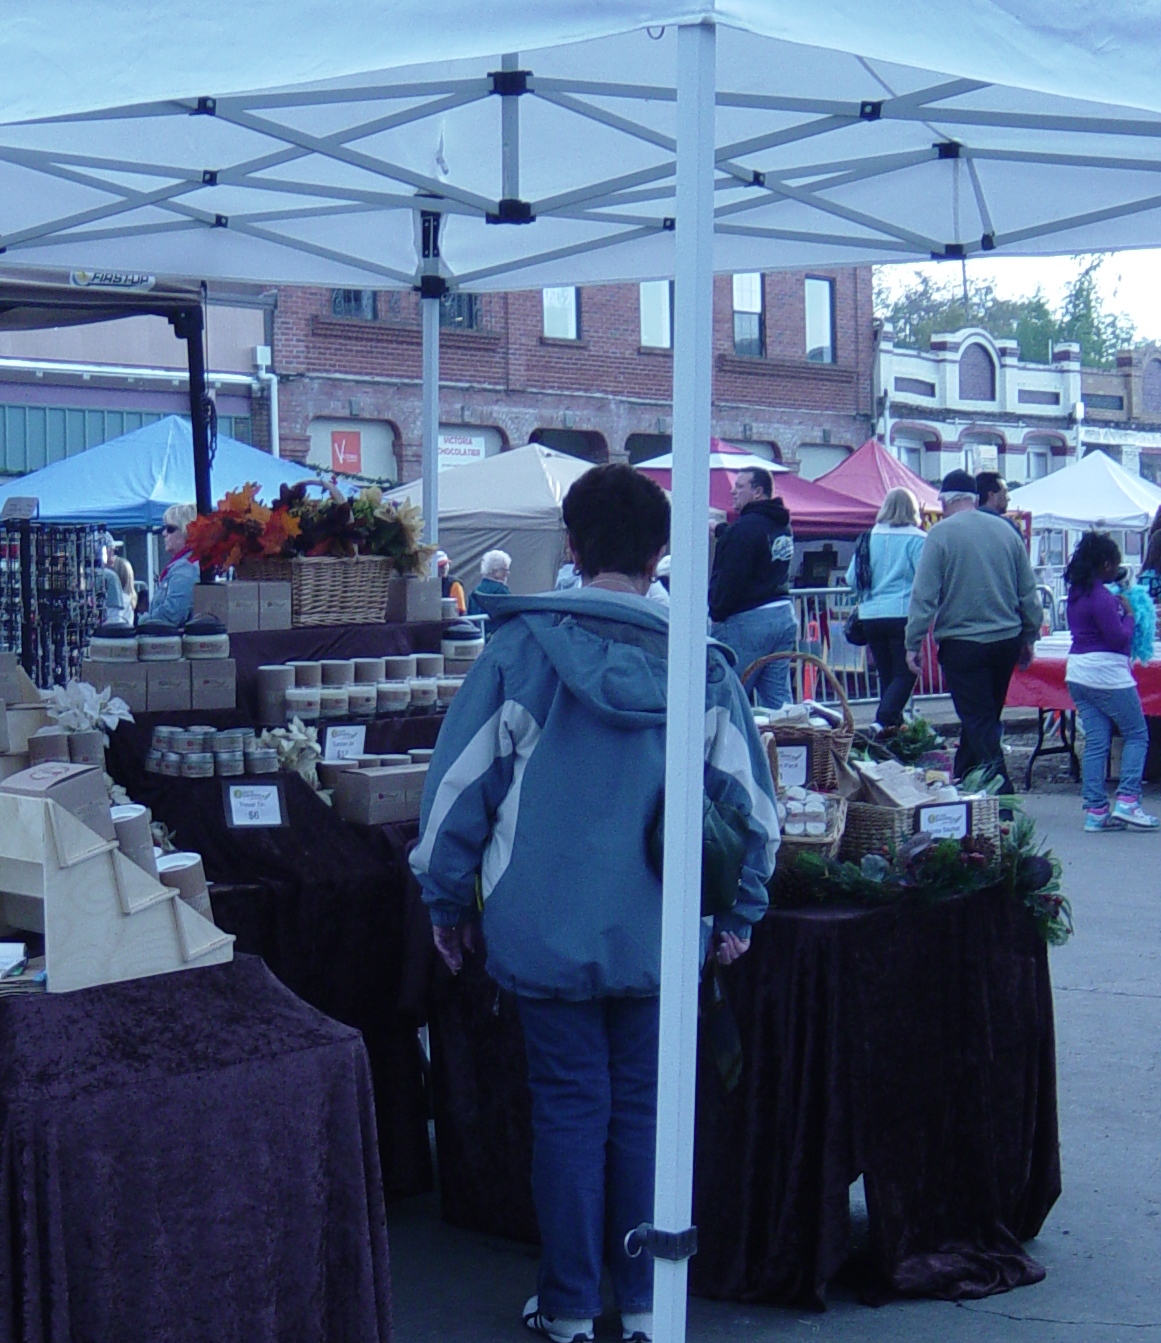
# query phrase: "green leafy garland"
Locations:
[[925, 870]]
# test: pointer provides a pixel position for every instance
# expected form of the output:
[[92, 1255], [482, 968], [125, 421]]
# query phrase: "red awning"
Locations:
[[871, 471]]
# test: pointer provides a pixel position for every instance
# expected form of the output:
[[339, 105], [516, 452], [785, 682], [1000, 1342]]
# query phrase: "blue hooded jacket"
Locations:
[[546, 780]]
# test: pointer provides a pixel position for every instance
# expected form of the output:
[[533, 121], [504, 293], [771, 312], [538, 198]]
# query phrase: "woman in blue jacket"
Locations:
[[542, 794], [895, 545]]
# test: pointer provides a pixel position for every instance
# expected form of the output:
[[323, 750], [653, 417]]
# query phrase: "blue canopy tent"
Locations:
[[130, 481]]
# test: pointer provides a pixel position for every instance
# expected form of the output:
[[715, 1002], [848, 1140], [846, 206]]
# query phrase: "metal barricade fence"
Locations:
[[822, 615]]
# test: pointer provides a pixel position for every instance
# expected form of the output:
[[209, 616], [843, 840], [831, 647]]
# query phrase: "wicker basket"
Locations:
[[822, 741], [325, 590], [870, 827], [825, 846]]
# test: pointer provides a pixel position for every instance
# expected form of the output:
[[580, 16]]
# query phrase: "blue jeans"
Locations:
[[1099, 710], [754, 634], [592, 1071]]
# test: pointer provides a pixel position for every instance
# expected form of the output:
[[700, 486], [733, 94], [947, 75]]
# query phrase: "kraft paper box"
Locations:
[[126, 680], [215, 684], [235, 604], [16, 686], [5, 745], [11, 764], [380, 796], [22, 721], [167, 686], [79, 789], [274, 606], [411, 599]]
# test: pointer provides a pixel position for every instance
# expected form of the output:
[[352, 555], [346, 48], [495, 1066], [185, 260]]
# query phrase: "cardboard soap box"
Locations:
[[411, 599], [214, 684], [235, 604], [380, 796], [274, 606], [126, 680], [167, 686], [22, 721], [79, 789]]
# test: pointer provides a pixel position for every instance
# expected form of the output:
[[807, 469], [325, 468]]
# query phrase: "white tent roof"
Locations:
[[823, 156], [1095, 492]]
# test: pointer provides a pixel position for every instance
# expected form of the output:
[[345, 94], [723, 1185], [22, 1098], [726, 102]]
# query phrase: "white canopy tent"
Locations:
[[1094, 492], [636, 140]]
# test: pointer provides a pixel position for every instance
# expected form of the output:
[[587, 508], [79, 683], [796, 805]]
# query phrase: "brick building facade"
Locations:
[[349, 366]]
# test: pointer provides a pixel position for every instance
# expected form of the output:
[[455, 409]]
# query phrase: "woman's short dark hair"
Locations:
[[617, 520], [1094, 551]]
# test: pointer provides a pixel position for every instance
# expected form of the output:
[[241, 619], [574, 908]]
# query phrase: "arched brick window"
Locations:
[[1151, 386], [977, 374]]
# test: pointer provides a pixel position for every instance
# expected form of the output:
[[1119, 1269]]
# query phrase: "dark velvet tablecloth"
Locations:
[[913, 1045], [324, 904], [188, 1158], [256, 648]]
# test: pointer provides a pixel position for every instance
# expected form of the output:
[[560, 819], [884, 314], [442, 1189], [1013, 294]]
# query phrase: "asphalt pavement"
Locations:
[[1101, 1245]]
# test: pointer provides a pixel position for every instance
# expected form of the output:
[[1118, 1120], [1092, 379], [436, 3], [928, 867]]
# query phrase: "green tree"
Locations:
[[927, 306]]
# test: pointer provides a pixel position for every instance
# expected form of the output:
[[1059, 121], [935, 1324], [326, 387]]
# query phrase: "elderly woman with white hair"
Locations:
[[173, 596], [494, 569]]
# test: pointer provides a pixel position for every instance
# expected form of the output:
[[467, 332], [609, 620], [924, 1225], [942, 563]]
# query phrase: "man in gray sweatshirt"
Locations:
[[974, 584]]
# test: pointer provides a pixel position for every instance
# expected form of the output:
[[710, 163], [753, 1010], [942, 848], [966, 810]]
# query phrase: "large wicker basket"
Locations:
[[822, 741], [870, 828], [325, 590]]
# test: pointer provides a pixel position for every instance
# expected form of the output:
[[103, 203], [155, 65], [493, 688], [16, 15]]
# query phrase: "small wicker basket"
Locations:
[[870, 827], [822, 741], [825, 846], [327, 590]]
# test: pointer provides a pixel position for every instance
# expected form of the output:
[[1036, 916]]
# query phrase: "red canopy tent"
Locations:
[[815, 510], [871, 471]]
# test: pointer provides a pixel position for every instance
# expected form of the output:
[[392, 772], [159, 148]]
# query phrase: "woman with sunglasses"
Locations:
[[173, 596]]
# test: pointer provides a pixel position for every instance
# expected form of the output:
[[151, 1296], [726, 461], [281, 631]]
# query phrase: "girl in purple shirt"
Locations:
[[1101, 684]]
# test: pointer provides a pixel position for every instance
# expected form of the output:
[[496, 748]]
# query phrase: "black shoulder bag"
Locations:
[[854, 630]]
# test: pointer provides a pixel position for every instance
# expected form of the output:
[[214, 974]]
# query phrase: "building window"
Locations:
[[915, 386], [354, 303], [749, 316], [1037, 463], [657, 314], [819, 320], [1100, 401], [458, 312], [977, 374], [911, 455], [562, 313], [1151, 386]]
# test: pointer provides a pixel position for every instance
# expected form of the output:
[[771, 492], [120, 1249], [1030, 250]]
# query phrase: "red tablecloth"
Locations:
[[1041, 686]]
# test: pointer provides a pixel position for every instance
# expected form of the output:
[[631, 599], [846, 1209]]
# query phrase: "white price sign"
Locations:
[[19, 508], [793, 766], [944, 820], [255, 804], [345, 743]]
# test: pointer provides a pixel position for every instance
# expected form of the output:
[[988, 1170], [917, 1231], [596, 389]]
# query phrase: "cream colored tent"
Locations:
[[508, 502]]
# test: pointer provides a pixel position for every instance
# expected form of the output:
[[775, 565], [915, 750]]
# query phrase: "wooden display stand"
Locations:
[[103, 918]]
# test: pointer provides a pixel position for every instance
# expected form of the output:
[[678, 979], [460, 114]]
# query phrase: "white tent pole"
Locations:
[[685, 730], [430, 309]]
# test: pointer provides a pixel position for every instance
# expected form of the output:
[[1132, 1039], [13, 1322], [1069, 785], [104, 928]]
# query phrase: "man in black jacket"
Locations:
[[749, 596]]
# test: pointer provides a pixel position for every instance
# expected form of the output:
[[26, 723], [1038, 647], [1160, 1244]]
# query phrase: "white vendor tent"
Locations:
[[509, 502], [447, 144], [1094, 492]]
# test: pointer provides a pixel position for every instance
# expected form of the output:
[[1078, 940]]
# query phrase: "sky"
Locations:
[[1130, 282]]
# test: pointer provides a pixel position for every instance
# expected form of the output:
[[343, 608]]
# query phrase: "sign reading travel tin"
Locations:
[[254, 805], [345, 742]]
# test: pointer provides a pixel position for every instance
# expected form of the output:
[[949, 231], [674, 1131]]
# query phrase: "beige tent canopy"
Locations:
[[508, 502]]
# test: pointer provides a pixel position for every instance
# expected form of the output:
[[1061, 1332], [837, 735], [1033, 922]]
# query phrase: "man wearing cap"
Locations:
[[974, 584], [110, 583], [449, 586]]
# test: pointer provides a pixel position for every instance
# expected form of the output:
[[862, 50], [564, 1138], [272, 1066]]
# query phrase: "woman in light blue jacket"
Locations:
[[895, 545]]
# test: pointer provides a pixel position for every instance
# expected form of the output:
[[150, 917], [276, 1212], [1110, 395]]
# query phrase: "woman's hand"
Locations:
[[1126, 605], [730, 947], [451, 943]]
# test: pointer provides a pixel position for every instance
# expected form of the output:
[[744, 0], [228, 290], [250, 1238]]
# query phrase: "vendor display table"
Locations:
[[1041, 686], [913, 1045], [256, 648], [188, 1157], [324, 903]]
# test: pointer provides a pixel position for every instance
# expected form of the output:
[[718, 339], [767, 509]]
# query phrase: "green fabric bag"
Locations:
[[723, 853]]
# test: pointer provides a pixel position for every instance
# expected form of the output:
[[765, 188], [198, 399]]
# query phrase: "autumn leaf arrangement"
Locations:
[[299, 524]]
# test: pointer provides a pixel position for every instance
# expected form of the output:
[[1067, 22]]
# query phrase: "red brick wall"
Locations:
[[506, 374]]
